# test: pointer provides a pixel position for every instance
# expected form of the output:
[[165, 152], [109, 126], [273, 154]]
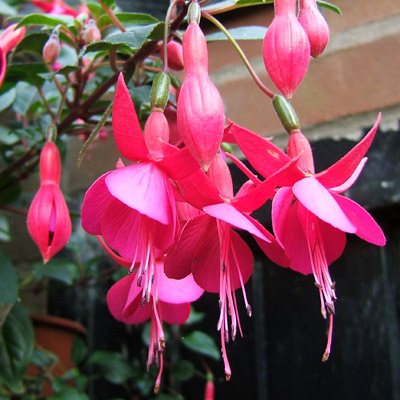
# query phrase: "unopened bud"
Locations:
[[286, 113], [194, 13], [91, 32], [51, 49], [314, 25], [174, 55], [286, 49], [160, 91]]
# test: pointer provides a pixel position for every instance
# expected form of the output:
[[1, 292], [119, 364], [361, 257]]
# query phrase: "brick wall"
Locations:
[[357, 76]]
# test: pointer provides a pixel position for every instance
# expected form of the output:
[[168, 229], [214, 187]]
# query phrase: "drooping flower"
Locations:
[[200, 109], [286, 49], [169, 302], [174, 55], [49, 223], [310, 217], [9, 38], [210, 249], [59, 7], [315, 26], [133, 207]]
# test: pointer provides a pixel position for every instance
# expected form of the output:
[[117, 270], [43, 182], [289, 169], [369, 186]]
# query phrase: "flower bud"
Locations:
[[286, 49], [91, 32], [49, 223], [174, 55], [315, 26], [51, 49], [195, 53], [209, 391], [156, 131]]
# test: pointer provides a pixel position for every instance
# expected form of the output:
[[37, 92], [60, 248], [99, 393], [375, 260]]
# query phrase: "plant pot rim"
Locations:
[[59, 322]]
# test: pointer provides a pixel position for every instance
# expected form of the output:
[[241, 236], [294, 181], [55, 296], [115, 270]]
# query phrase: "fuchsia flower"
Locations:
[[310, 217], [315, 26], [200, 110], [49, 223], [9, 38], [169, 301], [212, 251], [286, 49], [174, 55], [59, 7]]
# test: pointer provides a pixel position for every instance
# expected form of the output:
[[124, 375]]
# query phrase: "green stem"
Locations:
[[246, 62], [112, 16], [166, 34]]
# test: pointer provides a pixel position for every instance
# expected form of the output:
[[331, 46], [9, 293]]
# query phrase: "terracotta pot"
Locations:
[[57, 335]]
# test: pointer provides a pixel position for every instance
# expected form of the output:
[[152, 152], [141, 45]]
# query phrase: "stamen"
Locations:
[[327, 351]]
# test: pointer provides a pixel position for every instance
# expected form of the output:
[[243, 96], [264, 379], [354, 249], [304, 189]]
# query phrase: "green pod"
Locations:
[[286, 113], [51, 133], [160, 91]]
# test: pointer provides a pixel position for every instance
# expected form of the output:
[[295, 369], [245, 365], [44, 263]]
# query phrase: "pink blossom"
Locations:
[[309, 215], [58, 7], [49, 223]]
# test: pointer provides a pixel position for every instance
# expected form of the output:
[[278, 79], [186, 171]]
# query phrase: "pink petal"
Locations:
[[320, 202], [127, 131], [366, 226], [342, 170], [179, 164], [346, 185], [94, 203], [119, 260], [227, 212], [239, 257], [178, 291], [197, 245], [145, 188], [263, 155], [174, 313]]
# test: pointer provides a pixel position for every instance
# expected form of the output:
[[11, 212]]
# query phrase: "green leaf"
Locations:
[[24, 98], [16, 348], [7, 99], [194, 317], [183, 370], [127, 18], [6, 9], [62, 71], [60, 270], [329, 6], [253, 2], [33, 43], [46, 20], [96, 10], [79, 351], [27, 72], [8, 137], [8, 280], [133, 39], [112, 366], [241, 33], [109, 3], [10, 190], [69, 393], [5, 235], [201, 343]]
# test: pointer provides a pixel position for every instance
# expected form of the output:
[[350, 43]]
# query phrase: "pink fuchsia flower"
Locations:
[[174, 55], [286, 49], [315, 26], [133, 207], [169, 302], [9, 38], [200, 109], [58, 7], [49, 223], [310, 217], [210, 249]]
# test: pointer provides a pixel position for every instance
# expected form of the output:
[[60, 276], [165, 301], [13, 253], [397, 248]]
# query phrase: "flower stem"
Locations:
[[246, 62]]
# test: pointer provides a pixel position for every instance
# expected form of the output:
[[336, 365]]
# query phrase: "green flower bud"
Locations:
[[160, 91], [286, 113]]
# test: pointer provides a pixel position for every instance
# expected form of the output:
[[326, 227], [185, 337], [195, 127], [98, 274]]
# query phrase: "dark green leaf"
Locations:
[[127, 18], [164, 396], [43, 358], [95, 9], [10, 190], [16, 348], [62, 71], [69, 393], [202, 343], [46, 20], [33, 43], [79, 351], [183, 370], [6, 99], [253, 2], [241, 33], [60, 270], [109, 3], [5, 235], [8, 280], [24, 98], [27, 72], [133, 39], [112, 366], [194, 317], [329, 6]]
